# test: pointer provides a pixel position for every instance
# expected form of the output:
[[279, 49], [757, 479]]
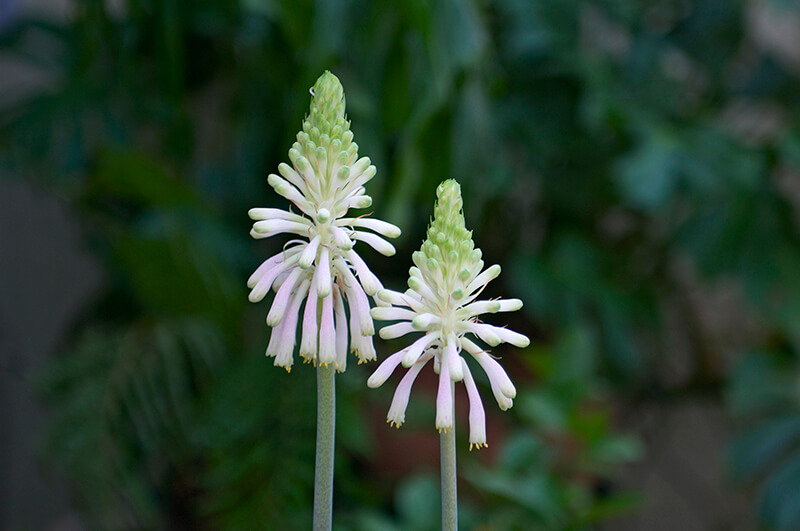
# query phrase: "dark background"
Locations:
[[633, 166]]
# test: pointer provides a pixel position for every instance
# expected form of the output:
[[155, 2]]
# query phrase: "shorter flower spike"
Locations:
[[446, 280]]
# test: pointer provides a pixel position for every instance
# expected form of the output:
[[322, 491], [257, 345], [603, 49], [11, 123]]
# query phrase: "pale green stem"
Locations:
[[326, 431], [448, 459]]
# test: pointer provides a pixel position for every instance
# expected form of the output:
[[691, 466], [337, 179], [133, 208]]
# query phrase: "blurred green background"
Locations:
[[633, 166]]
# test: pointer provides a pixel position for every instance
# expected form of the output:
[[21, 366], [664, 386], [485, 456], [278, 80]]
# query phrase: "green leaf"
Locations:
[[763, 447]]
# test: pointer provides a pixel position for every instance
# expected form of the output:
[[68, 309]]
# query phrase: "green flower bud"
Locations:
[[327, 103], [326, 134], [343, 173], [302, 164], [449, 244], [322, 155], [418, 257]]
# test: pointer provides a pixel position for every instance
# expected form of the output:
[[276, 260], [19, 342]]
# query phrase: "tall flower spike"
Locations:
[[445, 282], [320, 267]]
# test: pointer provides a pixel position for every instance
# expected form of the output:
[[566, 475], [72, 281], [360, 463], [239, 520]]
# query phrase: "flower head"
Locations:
[[444, 284], [321, 267]]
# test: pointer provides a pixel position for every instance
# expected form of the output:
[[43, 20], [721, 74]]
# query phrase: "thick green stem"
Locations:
[[449, 494], [326, 431]]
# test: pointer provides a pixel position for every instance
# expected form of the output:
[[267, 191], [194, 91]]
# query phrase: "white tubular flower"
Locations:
[[321, 268], [441, 302]]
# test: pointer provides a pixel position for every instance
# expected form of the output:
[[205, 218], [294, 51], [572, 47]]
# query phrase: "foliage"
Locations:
[[601, 147], [765, 397], [126, 410], [558, 486]]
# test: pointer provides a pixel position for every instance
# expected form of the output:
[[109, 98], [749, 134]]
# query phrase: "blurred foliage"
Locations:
[[765, 397], [601, 145], [546, 475]]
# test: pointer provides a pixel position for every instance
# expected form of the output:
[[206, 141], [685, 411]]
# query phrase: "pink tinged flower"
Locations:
[[369, 281], [322, 276], [376, 242], [309, 253], [396, 330], [397, 411], [504, 391], [327, 333], [320, 265], [441, 303], [450, 354], [385, 370], [357, 300], [477, 417], [261, 281], [364, 348], [309, 335], [266, 266], [444, 396], [285, 331], [281, 301], [417, 349]]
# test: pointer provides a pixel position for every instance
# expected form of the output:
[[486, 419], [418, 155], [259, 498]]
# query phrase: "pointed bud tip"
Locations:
[[327, 87], [448, 188]]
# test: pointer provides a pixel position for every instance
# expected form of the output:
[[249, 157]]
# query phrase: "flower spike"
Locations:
[[446, 280], [321, 268]]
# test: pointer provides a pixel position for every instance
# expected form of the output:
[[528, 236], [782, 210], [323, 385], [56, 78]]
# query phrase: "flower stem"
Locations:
[[447, 456], [326, 431]]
